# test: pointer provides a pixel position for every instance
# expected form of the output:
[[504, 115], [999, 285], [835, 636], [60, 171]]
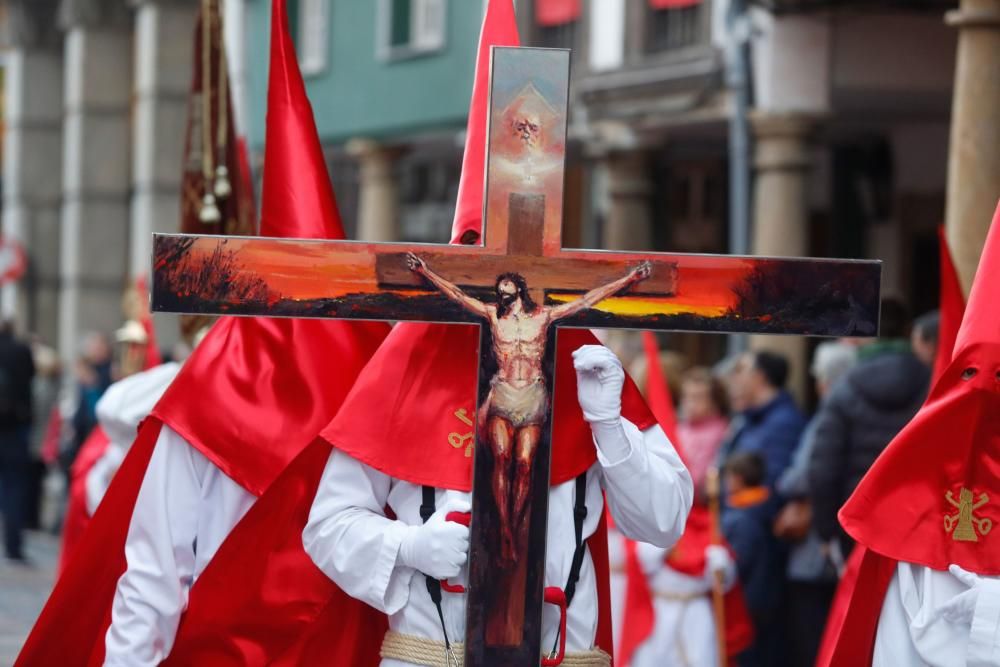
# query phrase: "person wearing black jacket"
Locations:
[[16, 372], [863, 412]]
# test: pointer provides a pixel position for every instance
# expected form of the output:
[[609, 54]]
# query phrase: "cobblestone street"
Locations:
[[23, 591]]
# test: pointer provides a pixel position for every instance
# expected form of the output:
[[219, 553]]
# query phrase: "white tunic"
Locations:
[[619, 581], [912, 632], [684, 630], [185, 509], [349, 537], [120, 411]]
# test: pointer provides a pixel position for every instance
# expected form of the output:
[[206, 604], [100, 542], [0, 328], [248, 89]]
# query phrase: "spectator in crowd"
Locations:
[[94, 376], [859, 416], [772, 424], [746, 524], [811, 575], [924, 337], [17, 369], [45, 400], [703, 424]]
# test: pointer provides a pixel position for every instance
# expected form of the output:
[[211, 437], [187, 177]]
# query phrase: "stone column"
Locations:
[[780, 215], [95, 214], [32, 163], [163, 52], [378, 199], [974, 152], [629, 222]]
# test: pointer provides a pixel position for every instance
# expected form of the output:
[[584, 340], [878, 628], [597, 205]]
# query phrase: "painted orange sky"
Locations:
[[303, 270]]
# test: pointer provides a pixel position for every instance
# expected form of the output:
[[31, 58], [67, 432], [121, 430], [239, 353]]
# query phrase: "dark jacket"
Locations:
[[16, 372], [759, 556], [773, 431], [860, 416]]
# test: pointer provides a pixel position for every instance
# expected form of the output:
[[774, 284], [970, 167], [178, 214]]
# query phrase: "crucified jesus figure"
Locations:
[[518, 399]]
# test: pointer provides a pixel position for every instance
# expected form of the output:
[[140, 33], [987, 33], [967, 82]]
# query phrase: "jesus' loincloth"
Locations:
[[520, 406]]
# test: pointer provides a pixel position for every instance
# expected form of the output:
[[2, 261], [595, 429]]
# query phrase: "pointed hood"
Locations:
[[297, 199], [291, 375], [951, 308], [933, 496], [499, 29]]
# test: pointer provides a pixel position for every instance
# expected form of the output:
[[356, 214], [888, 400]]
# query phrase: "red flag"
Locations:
[[251, 397], [556, 12], [927, 498], [951, 308], [658, 390]]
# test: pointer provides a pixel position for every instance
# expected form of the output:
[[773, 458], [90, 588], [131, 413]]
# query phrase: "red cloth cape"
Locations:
[[77, 517], [849, 637]]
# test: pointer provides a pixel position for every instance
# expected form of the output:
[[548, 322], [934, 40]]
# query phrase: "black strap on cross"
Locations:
[[579, 516], [427, 507]]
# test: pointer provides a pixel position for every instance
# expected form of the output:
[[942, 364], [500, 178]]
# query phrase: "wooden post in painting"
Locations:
[[520, 286]]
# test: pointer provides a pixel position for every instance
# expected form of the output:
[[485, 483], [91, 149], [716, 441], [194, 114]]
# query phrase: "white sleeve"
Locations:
[[160, 552], [349, 537], [649, 490], [100, 475], [984, 636]]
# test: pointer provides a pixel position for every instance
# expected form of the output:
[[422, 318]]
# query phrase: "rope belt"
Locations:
[[678, 597], [431, 652]]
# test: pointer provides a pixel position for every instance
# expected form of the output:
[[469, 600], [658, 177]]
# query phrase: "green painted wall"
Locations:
[[360, 95]]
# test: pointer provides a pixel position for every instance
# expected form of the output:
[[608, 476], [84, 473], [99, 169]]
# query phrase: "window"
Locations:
[[673, 24], [408, 28], [556, 22], [312, 34]]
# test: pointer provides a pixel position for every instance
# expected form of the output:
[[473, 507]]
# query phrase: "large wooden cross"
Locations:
[[552, 287]]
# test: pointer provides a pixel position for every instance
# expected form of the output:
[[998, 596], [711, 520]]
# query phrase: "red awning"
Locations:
[[673, 4], [550, 13]]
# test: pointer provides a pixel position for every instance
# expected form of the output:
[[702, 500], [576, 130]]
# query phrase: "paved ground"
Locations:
[[23, 591]]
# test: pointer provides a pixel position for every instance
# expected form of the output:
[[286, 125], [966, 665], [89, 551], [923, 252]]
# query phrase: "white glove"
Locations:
[[718, 559], [961, 608], [599, 381], [437, 548]]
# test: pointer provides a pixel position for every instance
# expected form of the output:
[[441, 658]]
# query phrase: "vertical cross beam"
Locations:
[[523, 202]]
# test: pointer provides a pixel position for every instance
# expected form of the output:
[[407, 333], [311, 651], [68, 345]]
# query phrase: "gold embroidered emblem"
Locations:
[[964, 525], [459, 440]]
